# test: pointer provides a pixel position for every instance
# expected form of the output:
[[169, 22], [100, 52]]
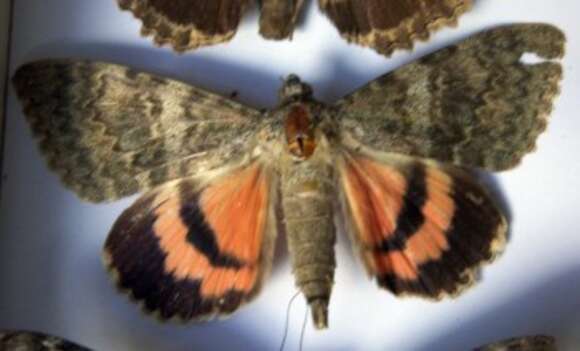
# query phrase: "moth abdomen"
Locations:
[[311, 244], [308, 211]]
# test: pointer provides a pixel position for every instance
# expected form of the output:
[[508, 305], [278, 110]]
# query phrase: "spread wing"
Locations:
[[196, 248], [527, 343], [388, 25], [278, 18], [474, 104], [187, 24], [110, 131], [421, 227], [18, 340]]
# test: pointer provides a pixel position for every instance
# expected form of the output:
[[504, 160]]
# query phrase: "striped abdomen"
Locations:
[[308, 212]]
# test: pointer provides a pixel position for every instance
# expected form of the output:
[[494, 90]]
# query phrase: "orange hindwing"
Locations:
[[192, 251], [422, 228]]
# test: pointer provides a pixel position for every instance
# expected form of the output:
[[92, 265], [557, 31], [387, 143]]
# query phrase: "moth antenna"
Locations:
[[286, 326]]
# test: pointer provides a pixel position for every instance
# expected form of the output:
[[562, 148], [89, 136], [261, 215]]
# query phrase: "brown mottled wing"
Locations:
[[527, 343], [196, 248], [110, 131], [474, 104], [421, 227], [33, 341], [388, 25], [278, 18], [187, 24]]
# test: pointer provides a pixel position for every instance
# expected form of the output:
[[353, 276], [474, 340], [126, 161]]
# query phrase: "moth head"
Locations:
[[299, 130], [294, 90]]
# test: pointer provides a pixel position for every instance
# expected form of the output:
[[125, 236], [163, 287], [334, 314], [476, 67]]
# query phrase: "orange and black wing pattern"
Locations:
[[190, 251], [422, 228]]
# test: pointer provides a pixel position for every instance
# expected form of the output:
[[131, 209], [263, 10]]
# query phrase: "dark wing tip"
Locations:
[[548, 43], [25, 76], [31, 75], [543, 39], [546, 40]]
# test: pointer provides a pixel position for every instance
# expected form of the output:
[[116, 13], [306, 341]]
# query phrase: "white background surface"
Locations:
[[51, 278]]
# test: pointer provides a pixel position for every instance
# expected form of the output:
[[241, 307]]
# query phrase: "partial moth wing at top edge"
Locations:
[[18, 340], [110, 131], [187, 24], [475, 103], [278, 18], [526, 343], [389, 25]]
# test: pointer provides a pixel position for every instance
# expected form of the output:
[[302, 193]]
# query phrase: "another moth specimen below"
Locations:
[[527, 343], [200, 241], [28, 341], [33, 341], [384, 25]]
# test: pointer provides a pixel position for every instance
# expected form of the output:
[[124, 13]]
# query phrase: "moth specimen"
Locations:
[[384, 25], [526, 343], [221, 179], [19, 340]]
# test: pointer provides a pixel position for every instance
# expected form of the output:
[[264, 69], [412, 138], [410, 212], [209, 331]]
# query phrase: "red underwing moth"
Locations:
[[394, 154], [384, 25], [527, 343], [33, 341]]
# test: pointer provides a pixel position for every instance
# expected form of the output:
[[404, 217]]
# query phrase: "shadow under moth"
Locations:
[[384, 25], [221, 180]]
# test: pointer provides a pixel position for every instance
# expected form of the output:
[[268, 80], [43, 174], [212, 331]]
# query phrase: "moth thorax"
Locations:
[[299, 132]]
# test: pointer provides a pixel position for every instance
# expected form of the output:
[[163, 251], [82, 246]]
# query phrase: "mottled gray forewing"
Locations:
[[187, 24], [110, 131], [388, 25], [32, 341], [278, 17], [474, 104], [527, 343]]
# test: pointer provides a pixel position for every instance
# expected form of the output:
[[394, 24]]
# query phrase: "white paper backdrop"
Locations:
[[51, 278]]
